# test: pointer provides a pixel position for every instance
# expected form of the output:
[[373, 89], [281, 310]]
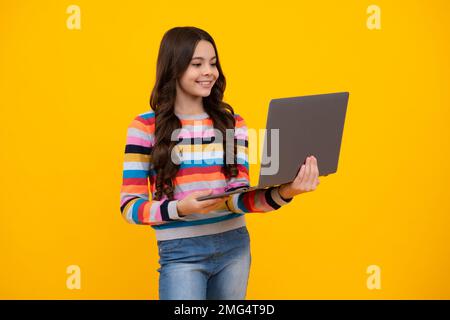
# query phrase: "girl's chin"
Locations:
[[203, 92]]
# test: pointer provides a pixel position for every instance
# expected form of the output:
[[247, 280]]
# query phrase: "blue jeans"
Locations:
[[205, 267]]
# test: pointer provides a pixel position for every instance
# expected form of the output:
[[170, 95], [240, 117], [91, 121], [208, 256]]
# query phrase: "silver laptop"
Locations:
[[308, 125]]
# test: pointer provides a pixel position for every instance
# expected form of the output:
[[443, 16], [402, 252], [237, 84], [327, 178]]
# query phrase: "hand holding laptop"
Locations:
[[190, 204], [306, 180]]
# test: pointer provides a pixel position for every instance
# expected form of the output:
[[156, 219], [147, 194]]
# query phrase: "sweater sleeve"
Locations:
[[135, 206], [260, 200]]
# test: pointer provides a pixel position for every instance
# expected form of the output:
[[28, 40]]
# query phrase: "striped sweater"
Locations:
[[200, 169]]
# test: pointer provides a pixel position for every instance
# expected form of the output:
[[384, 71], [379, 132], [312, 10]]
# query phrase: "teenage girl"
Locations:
[[204, 246]]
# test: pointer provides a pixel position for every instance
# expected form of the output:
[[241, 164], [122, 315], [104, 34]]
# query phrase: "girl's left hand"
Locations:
[[306, 180]]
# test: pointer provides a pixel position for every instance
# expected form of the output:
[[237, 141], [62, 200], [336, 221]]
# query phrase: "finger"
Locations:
[[316, 168], [312, 173], [213, 207], [313, 176], [307, 179], [316, 173], [209, 202], [301, 174], [316, 163], [315, 184]]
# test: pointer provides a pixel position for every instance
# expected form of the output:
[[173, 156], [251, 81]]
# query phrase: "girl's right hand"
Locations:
[[190, 204]]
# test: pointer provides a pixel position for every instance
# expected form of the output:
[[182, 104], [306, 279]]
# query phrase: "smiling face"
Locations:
[[202, 73]]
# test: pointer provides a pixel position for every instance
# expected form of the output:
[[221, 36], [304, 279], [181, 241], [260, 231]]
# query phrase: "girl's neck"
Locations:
[[189, 109], [188, 105]]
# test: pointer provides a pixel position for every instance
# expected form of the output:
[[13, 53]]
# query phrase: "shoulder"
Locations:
[[147, 118], [144, 121], [240, 122]]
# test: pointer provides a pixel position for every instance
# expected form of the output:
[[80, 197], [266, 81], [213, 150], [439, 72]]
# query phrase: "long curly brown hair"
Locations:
[[175, 53]]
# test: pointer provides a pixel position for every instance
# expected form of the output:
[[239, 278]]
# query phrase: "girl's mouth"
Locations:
[[205, 84]]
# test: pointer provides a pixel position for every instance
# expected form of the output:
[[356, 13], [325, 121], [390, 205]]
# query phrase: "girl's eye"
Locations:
[[198, 64]]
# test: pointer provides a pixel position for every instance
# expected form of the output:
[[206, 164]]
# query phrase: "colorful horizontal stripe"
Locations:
[[201, 168]]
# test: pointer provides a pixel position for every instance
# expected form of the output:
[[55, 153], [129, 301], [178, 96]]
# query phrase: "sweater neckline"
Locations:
[[197, 116]]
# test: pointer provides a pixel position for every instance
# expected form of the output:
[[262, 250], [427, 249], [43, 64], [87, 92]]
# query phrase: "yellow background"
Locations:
[[67, 97]]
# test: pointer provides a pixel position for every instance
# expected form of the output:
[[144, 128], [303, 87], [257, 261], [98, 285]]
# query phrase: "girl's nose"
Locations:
[[208, 70]]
